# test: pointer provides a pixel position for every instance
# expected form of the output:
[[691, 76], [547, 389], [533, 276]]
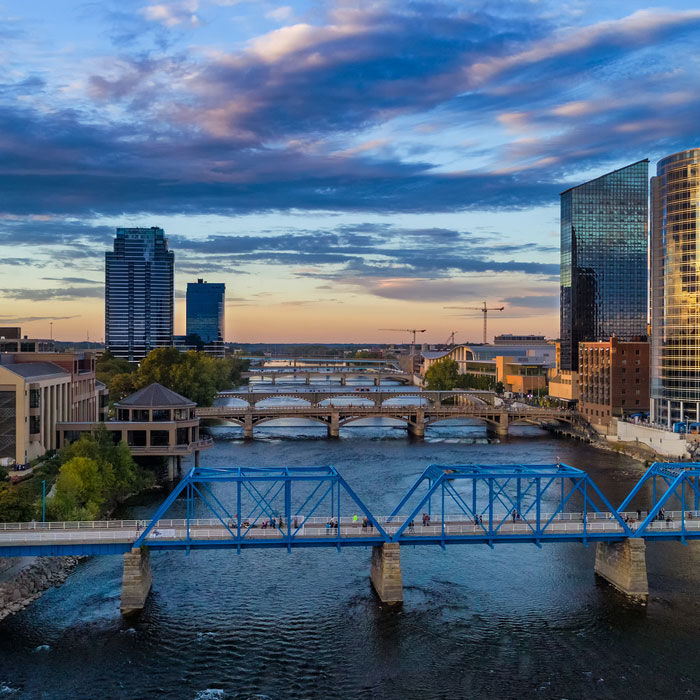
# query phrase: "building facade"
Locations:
[[206, 309], [139, 293], [604, 260], [675, 288], [613, 380], [34, 396], [521, 368]]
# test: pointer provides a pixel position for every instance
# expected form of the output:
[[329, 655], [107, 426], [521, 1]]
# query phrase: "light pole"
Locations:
[[51, 324], [43, 502]]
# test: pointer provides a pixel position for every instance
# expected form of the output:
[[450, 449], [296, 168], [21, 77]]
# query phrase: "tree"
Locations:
[[109, 367], [442, 376], [121, 386], [79, 491], [193, 374]]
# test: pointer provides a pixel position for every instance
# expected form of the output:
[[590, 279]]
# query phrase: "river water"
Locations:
[[512, 622]]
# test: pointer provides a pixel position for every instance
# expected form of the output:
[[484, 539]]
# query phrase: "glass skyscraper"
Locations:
[[205, 310], [604, 260], [139, 278], [675, 288]]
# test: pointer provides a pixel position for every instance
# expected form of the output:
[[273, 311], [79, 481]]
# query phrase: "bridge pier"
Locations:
[[248, 427], [417, 428], [136, 580], [172, 468], [377, 381], [624, 565], [308, 380], [343, 380], [334, 426], [385, 572]]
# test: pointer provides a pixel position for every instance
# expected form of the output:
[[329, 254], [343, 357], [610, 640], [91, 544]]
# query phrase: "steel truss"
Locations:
[[283, 499], [673, 485], [496, 498]]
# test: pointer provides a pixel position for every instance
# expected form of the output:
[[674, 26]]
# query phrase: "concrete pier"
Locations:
[[334, 426], [385, 572], [248, 427], [416, 428], [136, 580], [624, 565]]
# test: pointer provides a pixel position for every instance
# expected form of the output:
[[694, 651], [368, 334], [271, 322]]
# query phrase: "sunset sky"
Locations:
[[341, 166]]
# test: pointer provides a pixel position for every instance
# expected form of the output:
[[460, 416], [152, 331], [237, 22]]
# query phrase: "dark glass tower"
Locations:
[[604, 260], [138, 293], [205, 310]]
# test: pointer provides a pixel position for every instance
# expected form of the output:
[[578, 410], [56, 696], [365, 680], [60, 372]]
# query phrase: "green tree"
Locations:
[[121, 386], [442, 376], [196, 375], [79, 491], [16, 503], [108, 367]]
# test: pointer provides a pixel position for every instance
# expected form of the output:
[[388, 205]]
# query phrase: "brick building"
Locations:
[[613, 379]]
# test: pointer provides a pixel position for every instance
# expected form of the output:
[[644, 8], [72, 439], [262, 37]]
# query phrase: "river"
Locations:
[[512, 622]]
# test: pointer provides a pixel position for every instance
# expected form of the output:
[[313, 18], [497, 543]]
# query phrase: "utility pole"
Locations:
[[484, 309], [51, 324]]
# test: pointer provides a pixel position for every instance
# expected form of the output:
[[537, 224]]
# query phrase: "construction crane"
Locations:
[[484, 309], [407, 330]]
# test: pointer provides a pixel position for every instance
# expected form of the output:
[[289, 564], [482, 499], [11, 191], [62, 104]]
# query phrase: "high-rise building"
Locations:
[[604, 260], [139, 277], [675, 288], [206, 310]]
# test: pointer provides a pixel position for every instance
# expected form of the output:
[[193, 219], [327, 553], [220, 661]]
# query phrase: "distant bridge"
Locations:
[[363, 396], [416, 418], [305, 362], [292, 507], [342, 374]]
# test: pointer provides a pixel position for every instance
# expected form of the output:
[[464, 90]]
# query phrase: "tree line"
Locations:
[[193, 374]]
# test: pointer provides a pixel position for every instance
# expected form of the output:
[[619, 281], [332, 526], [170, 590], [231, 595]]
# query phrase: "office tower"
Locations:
[[675, 288], [138, 293], [205, 310], [604, 260]]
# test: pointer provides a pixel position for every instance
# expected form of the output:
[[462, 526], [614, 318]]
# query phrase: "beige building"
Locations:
[[521, 368], [33, 398], [563, 384]]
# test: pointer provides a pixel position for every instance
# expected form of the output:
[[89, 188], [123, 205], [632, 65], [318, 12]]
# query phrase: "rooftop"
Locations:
[[155, 395], [35, 370]]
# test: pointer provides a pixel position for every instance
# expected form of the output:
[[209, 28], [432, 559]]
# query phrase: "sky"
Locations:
[[343, 167]]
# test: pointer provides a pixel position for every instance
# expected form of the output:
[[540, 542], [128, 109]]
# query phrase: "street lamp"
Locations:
[[43, 502]]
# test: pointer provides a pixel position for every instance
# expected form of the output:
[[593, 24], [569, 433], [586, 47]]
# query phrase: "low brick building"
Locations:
[[613, 379]]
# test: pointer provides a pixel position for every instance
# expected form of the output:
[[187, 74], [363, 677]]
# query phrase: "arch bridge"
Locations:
[[415, 418]]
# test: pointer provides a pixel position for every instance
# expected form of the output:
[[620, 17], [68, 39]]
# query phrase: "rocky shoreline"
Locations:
[[31, 580]]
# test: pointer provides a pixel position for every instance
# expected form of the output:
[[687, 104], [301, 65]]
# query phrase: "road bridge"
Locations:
[[293, 507], [341, 374], [415, 418], [290, 361], [362, 396]]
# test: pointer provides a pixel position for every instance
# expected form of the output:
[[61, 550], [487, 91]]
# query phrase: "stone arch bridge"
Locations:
[[416, 418]]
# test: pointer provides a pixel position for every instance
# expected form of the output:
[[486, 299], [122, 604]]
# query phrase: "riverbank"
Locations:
[[24, 579]]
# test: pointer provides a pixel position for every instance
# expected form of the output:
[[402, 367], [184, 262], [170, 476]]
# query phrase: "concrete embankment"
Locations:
[[24, 579]]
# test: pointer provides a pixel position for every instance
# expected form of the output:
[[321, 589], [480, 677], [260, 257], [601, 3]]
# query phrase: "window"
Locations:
[[139, 414], [136, 438], [34, 424], [160, 414], [35, 398], [160, 438], [183, 436]]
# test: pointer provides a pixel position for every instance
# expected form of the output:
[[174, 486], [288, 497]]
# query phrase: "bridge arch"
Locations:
[[267, 419], [351, 419], [424, 400], [298, 400], [475, 400]]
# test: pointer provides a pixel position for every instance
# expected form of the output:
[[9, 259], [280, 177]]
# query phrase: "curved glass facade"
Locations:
[[604, 260], [675, 288]]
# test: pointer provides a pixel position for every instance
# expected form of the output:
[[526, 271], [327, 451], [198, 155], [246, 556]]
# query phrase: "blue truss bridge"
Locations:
[[292, 507]]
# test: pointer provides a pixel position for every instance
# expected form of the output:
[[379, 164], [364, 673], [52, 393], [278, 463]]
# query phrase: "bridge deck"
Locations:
[[118, 536]]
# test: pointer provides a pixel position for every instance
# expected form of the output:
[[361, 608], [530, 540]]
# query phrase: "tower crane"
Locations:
[[407, 330], [484, 309]]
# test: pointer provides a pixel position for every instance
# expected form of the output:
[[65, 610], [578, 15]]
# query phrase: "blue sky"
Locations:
[[343, 167]]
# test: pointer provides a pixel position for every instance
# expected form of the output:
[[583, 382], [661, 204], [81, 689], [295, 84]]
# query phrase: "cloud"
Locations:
[[280, 14], [171, 14], [545, 302], [7, 320], [63, 294]]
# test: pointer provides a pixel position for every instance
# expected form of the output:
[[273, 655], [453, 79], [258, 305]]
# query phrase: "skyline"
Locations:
[[335, 180]]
